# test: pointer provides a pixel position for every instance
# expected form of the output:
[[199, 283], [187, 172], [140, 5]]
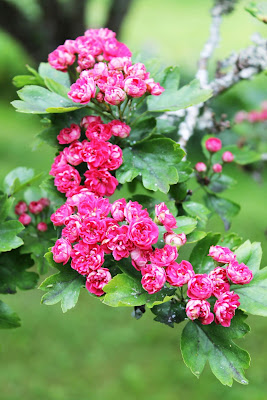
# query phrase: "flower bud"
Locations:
[[25, 219], [21, 208], [217, 168], [228, 157], [213, 144], [174, 239], [42, 227], [200, 167]]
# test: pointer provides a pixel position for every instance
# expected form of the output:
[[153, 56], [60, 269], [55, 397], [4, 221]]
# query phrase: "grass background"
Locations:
[[93, 351]]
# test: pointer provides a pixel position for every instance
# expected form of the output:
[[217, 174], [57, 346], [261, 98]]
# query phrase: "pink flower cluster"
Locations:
[[96, 151], [105, 67], [213, 145], [36, 208], [217, 283], [252, 116]]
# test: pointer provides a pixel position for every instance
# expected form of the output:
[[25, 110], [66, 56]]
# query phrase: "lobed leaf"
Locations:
[[8, 318]]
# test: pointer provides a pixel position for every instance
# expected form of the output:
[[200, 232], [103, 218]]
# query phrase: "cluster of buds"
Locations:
[[99, 155], [105, 67], [36, 208], [252, 116], [93, 227], [213, 145]]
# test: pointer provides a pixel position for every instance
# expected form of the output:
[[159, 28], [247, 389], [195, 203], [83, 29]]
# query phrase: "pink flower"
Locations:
[[35, 207], [61, 251], [222, 255], [82, 90], [133, 210], [71, 231], [164, 217], [117, 210], [72, 153], [60, 215], [225, 307], [200, 287], [228, 157], [113, 48], [25, 219], [240, 117], [92, 206], [134, 87], [67, 178], [92, 230], [217, 168], [213, 144], [96, 280], [143, 233], [98, 132], [100, 97], [100, 182], [69, 135], [200, 167], [137, 70], [118, 242], [21, 208], [199, 309], [174, 239], [86, 257], [114, 160], [239, 273], [114, 95], [140, 257], [59, 162], [153, 278], [153, 88], [45, 202], [61, 58], [220, 281], [89, 120], [42, 227], [95, 153], [85, 60], [119, 63], [165, 256], [179, 274], [118, 128]]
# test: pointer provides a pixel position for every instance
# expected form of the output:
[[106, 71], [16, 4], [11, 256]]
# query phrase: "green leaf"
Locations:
[[170, 78], [198, 211], [203, 264], [56, 87], [49, 136], [22, 80], [195, 236], [8, 318], [46, 71], [178, 191], [220, 182], [18, 179], [225, 208], [142, 130], [184, 170], [169, 313], [250, 254], [150, 202], [13, 272], [8, 234], [154, 160], [126, 291], [258, 10], [49, 258], [62, 287], [231, 240], [214, 343], [242, 155], [5, 206], [253, 296], [172, 99], [185, 224]]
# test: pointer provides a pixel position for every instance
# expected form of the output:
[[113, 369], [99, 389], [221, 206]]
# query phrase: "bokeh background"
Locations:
[[93, 351]]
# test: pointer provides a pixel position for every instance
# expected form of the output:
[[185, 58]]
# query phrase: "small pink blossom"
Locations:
[[71, 231], [61, 251], [239, 273], [153, 278], [86, 257], [137, 70], [45, 202], [89, 120], [98, 132], [134, 87], [164, 217], [42, 227], [113, 48], [118, 128], [85, 60], [61, 58], [82, 90], [228, 157], [179, 274], [21, 208], [175, 239], [154, 88], [217, 168], [140, 257], [165, 256], [114, 160], [35, 207], [199, 309], [25, 219], [240, 117], [59, 216], [59, 162], [200, 286], [222, 255], [67, 178], [200, 167], [91, 206], [92, 230], [95, 153], [133, 210], [100, 182], [117, 210], [119, 63], [96, 281], [72, 153], [213, 144], [114, 95], [117, 241], [220, 281], [69, 135], [225, 307], [143, 233]]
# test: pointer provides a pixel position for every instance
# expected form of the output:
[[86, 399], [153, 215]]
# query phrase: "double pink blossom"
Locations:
[[143, 233], [61, 251], [225, 308], [164, 216], [239, 273], [199, 309], [200, 286], [153, 278], [179, 274], [69, 135], [165, 256], [96, 280], [222, 255]]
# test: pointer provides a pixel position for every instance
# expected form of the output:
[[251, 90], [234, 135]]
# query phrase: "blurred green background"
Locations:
[[93, 351]]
